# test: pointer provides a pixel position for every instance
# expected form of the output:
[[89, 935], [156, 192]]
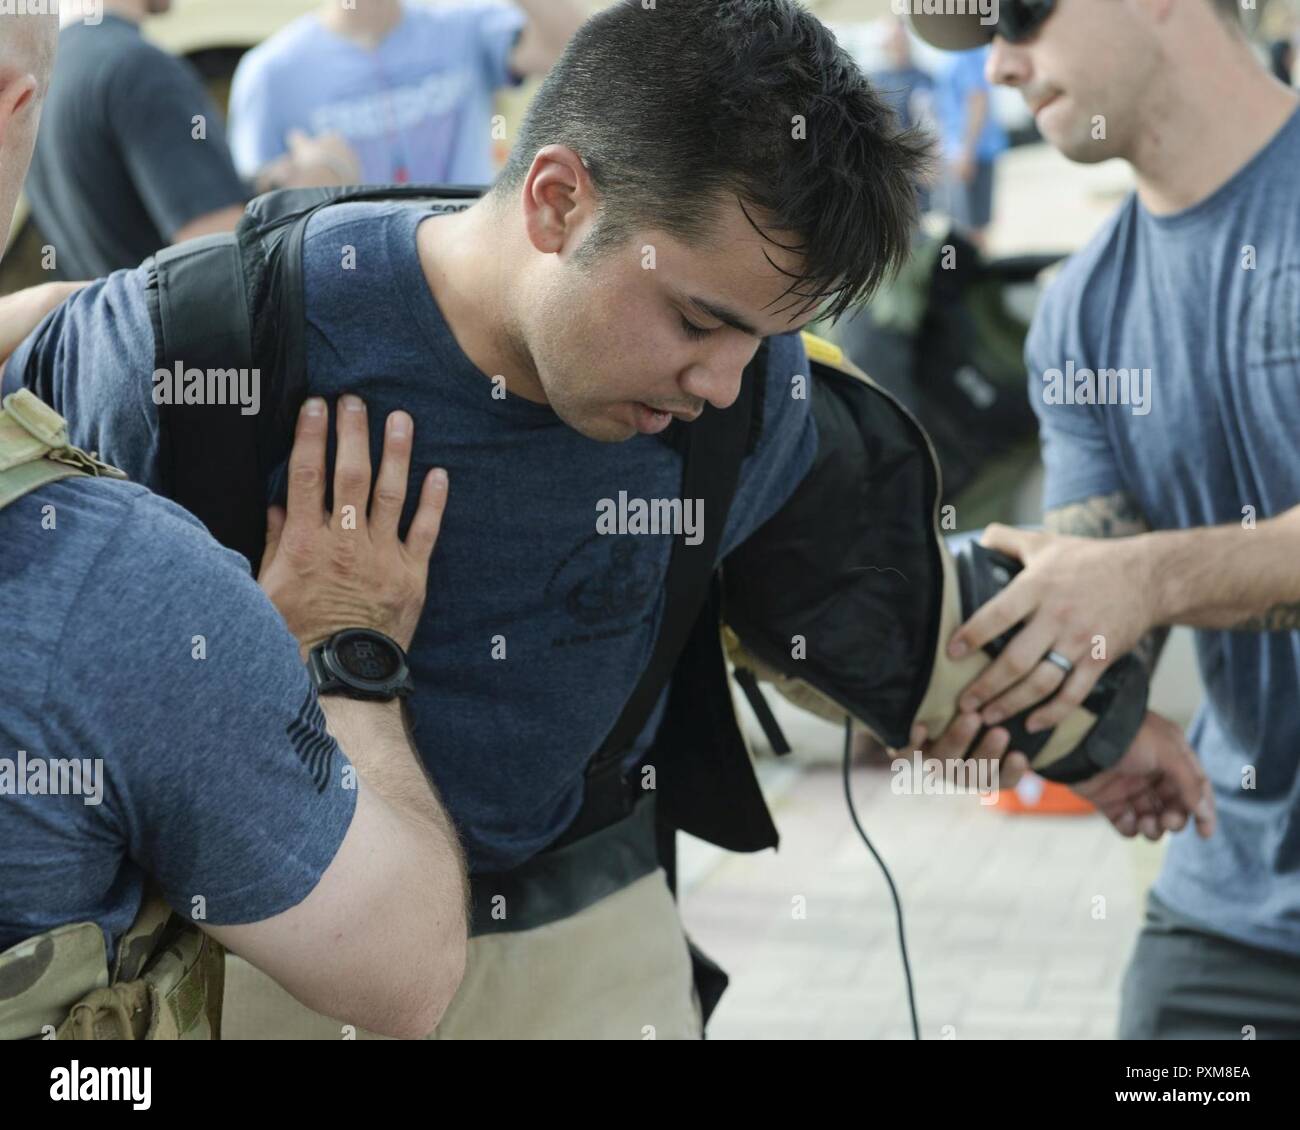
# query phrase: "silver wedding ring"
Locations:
[[1060, 660]]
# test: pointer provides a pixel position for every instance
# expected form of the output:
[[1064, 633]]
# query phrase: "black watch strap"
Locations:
[[361, 664]]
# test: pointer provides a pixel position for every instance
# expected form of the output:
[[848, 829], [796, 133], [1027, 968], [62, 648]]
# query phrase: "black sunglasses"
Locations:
[[1019, 20]]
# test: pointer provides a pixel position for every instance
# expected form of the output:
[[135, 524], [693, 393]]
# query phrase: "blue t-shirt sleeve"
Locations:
[[92, 361], [1077, 453], [220, 776], [499, 29], [257, 134], [787, 448]]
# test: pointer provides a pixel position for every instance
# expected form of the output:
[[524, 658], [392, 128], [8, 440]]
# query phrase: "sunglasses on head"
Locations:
[[1019, 20]]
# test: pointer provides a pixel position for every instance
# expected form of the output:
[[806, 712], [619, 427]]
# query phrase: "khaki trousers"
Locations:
[[619, 970]]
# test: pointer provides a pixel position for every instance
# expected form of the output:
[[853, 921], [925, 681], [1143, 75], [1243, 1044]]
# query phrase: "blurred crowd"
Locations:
[[134, 153]]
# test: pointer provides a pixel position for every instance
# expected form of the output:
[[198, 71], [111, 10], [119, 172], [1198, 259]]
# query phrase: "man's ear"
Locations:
[[17, 91], [558, 198]]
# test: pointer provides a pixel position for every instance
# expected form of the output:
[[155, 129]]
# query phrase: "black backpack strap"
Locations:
[[286, 205], [714, 448], [289, 281], [208, 453], [237, 302], [748, 682], [277, 224], [292, 210]]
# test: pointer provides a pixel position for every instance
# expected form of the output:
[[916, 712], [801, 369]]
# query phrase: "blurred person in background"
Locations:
[[410, 86], [132, 153], [908, 90], [971, 140]]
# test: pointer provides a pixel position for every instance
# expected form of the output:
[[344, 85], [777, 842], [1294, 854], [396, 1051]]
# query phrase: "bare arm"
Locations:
[[24, 310], [1229, 577], [311, 162], [223, 220], [381, 940]]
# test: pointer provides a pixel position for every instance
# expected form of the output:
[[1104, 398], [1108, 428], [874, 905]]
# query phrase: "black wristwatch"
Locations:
[[361, 664]]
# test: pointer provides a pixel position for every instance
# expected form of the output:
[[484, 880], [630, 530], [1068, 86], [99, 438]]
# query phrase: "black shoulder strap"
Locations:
[[295, 208], [714, 447], [236, 301], [208, 453], [288, 205]]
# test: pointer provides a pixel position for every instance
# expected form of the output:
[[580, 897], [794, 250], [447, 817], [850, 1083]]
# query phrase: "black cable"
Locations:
[[898, 906]]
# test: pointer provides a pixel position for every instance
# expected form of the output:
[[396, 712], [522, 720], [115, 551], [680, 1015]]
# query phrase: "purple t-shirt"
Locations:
[[418, 108]]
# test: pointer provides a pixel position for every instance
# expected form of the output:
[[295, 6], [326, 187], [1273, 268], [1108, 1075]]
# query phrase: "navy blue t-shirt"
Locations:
[[1205, 306], [134, 645], [131, 149], [537, 627]]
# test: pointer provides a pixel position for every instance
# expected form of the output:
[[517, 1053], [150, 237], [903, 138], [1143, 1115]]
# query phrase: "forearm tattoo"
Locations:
[[1109, 516], [1105, 516], [1279, 618]]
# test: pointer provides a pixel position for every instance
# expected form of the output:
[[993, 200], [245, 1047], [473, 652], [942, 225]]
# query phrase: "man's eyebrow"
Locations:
[[732, 319], [725, 316]]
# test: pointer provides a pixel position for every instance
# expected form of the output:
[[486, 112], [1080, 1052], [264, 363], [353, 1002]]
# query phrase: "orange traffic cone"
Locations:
[[1034, 796]]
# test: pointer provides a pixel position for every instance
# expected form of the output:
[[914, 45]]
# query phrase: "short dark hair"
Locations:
[[672, 104]]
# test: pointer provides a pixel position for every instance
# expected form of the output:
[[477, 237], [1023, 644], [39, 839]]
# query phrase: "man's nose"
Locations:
[[1007, 65], [718, 383]]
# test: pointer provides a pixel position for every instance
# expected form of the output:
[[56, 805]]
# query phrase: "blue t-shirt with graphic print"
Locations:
[[417, 108]]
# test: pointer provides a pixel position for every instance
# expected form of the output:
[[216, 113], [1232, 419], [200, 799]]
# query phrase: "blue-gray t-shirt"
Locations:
[[537, 627], [1208, 300], [133, 644]]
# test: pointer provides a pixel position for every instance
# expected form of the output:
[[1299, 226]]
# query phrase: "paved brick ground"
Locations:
[[999, 911]]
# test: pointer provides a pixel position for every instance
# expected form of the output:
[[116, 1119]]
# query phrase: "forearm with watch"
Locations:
[[352, 593], [362, 679]]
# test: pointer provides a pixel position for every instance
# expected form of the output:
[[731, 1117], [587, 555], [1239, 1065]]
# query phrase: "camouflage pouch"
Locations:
[[167, 984]]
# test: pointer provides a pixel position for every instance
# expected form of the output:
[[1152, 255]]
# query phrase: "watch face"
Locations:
[[363, 657]]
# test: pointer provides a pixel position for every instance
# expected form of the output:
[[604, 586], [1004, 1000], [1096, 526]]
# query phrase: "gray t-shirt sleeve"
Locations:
[[220, 777], [1078, 457], [156, 106]]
